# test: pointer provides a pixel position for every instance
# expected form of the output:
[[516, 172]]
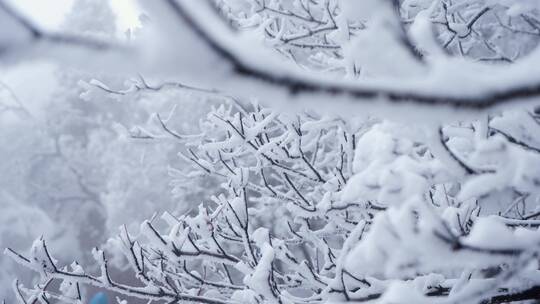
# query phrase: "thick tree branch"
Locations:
[[298, 85]]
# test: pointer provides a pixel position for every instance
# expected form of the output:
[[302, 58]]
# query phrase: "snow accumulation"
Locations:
[[298, 152]]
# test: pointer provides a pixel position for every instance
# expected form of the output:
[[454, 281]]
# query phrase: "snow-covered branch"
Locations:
[[442, 81]]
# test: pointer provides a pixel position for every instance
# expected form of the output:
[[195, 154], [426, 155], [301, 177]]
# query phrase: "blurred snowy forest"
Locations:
[[272, 151]]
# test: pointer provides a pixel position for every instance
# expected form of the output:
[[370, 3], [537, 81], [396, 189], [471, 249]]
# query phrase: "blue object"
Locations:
[[99, 298]]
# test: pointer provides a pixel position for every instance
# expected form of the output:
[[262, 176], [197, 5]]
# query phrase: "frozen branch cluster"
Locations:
[[316, 208]]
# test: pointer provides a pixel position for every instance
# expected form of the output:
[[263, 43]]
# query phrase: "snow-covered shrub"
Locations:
[[314, 209]]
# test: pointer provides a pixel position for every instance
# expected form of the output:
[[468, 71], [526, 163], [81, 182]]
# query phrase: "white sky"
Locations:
[[50, 13], [39, 76]]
